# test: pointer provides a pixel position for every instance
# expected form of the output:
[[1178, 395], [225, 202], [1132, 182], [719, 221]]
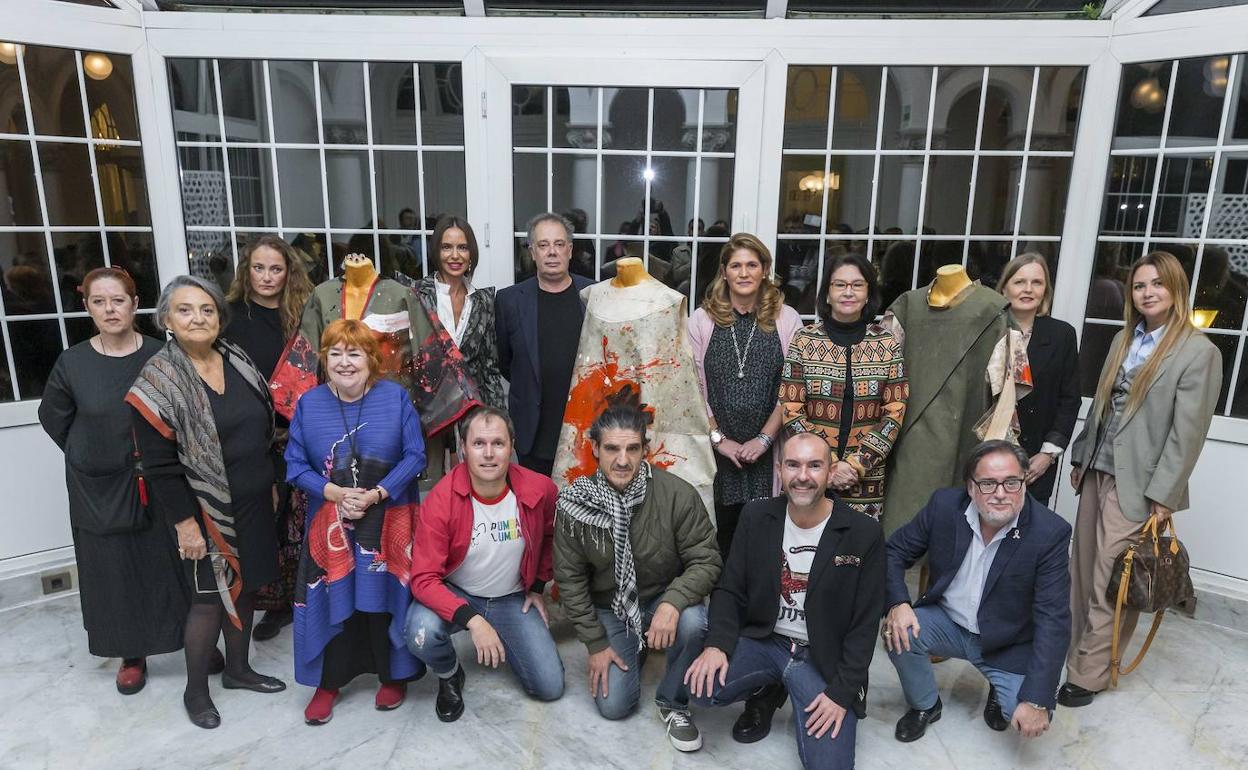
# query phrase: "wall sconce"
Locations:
[[97, 66], [814, 183], [1216, 75], [9, 52], [1147, 95], [1203, 318]]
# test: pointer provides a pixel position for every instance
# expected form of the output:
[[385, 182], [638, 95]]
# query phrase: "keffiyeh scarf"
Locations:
[[592, 502]]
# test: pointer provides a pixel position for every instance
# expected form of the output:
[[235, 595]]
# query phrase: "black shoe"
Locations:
[[262, 683], [1072, 696], [755, 722], [202, 712], [271, 624], [216, 662], [450, 703], [912, 726], [992, 712]]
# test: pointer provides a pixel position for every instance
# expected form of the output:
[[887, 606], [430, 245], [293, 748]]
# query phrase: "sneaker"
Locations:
[[681, 730]]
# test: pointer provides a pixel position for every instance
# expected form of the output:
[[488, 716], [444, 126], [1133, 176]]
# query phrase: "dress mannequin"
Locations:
[[951, 280], [629, 271], [358, 281]]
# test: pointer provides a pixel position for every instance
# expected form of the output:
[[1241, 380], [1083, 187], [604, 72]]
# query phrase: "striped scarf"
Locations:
[[171, 396], [592, 502]]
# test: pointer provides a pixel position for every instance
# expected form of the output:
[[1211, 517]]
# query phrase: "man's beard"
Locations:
[[995, 519]]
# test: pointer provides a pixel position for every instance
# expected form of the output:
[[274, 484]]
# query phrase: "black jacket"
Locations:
[[844, 598], [1049, 412], [1024, 615]]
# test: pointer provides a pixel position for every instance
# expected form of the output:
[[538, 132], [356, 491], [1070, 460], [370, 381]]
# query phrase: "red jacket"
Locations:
[[445, 529]]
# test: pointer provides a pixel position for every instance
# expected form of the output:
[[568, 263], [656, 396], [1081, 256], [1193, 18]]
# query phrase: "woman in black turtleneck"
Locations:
[[856, 402]]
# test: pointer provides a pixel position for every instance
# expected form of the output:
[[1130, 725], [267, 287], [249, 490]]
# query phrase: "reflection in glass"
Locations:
[[1093, 352], [13, 118], [300, 175], [36, 346], [346, 180], [1057, 108], [211, 256], [958, 92], [948, 193], [1142, 104], [123, 187], [76, 254], [801, 192], [1182, 195], [528, 187], [676, 119], [671, 196], [442, 118], [797, 266], [1226, 344], [27, 280], [1044, 196], [193, 93], [906, 108], [445, 192], [136, 254], [623, 193], [392, 91], [523, 261], [52, 75], [806, 108], [894, 260], [985, 260], [203, 187], [1127, 197], [575, 184], [934, 254], [251, 172], [856, 116], [342, 103], [398, 189], [1050, 250], [17, 179], [529, 116], [576, 118], [1237, 132], [79, 330], [626, 114], [67, 183], [1230, 200], [1222, 286], [312, 246], [1185, 252], [6, 384], [294, 101], [242, 98], [996, 195], [1006, 106], [110, 101], [897, 206], [1198, 95], [716, 199]]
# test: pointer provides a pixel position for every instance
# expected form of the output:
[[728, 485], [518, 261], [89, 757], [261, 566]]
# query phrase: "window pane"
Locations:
[[895, 262], [1050, 250], [857, 108], [1182, 196], [901, 177], [716, 190], [958, 92], [576, 118], [1226, 344], [251, 174], [524, 261], [674, 110], [948, 191], [985, 260], [123, 186], [300, 175], [906, 108], [1237, 132], [996, 195], [242, 97], [1198, 95], [528, 116], [20, 205], [1230, 200], [671, 198], [1057, 108], [76, 255], [36, 346], [1006, 107], [67, 184], [346, 179], [575, 180], [1093, 352], [934, 254], [1142, 104], [392, 90], [203, 187], [801, 192], [1044, 199], [442, 116], [110, 101], [27, 280], [1222, 286], [13, 119], [796, 268], [312, 246], [445, 192], [193, 93], [806, 107], [211, 256], [849, 194], [1239, 406], [6, 384], [626, 115], [398, 189], [1185, 252], [52, 73], [623, 193], [294, 101], [528, 187], [136, 254], [342, 102], [1127, 199]]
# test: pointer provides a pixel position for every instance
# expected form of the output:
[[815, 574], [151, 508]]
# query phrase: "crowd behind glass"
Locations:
[[237, 509]]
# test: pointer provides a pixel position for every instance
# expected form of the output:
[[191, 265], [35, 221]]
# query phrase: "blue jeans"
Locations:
[[624, 687], [527, 641], [756, 663], [940, 636]]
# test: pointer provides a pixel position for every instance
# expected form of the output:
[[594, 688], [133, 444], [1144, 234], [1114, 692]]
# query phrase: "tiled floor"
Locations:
[[1186, 708]]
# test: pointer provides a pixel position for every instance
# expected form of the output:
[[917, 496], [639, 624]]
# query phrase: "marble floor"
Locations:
[[1186, 708]]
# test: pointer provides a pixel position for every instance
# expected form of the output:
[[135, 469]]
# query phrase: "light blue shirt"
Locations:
[[961, 599], [1142, 345]]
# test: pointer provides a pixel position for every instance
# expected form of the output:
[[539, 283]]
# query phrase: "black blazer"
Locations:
[[1024, 615], [1049, 412], [844, 601], [515, 326]]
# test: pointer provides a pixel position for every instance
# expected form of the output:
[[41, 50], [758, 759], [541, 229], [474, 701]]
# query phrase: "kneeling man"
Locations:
[[999, 595], [482, 557], [635, 556], [807, 620]]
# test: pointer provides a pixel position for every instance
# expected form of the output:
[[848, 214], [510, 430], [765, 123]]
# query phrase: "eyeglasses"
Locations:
[[857, 286], [988, 486]]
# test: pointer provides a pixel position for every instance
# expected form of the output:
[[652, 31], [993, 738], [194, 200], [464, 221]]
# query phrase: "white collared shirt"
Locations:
[[446, 312], [961, 599], [1142, 345]]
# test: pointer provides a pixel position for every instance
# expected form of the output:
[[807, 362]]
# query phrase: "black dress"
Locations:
[[133, 602], [242, 426], [258, 331]]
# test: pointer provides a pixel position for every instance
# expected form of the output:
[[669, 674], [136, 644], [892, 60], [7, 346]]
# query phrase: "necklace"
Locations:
[[359, 413], [134, 337], [742, 358]]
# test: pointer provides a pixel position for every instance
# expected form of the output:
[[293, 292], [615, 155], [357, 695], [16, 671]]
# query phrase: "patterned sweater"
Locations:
[[812, 390]]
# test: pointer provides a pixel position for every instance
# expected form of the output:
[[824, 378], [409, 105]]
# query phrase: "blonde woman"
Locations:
[[1154, 402], [740, 337]]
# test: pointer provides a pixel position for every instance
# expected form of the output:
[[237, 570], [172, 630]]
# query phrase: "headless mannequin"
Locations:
[[629, 272], [951, 280], [358, 280]]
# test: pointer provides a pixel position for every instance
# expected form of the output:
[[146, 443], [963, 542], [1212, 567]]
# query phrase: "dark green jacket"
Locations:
[[674, 552]]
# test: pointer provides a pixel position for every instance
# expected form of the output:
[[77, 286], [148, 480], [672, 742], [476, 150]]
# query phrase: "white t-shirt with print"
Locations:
[[492, 566], [797, 554]]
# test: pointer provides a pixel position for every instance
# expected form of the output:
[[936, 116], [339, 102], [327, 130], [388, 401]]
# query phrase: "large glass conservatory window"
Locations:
[[73, 197], [1178, 182], [337, 157], [965, 165]]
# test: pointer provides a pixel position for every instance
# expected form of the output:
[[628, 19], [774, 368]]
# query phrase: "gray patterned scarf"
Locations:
[[592, 502]]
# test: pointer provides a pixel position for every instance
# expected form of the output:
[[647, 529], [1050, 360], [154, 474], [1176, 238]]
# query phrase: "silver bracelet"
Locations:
[[765, 439]]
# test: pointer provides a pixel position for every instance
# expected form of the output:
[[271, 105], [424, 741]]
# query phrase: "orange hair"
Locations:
[[352, 334]]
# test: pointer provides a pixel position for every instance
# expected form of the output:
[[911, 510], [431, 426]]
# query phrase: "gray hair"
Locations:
[[991, 447], [619, 417], [549, 216], [163, 305]]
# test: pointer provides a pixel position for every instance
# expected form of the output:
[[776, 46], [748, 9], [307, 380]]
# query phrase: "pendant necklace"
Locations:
[[359, 412], [741, 359]]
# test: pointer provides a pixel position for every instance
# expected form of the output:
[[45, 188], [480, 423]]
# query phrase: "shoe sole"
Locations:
[[317, 723], [930, 722], [451, 717], [240, 686], [686, 746], [132, 689], [1074, 703], [751, 738], [380, 707]]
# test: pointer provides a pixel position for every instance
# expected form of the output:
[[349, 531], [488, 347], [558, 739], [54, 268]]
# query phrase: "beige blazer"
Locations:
[[1157, 447]]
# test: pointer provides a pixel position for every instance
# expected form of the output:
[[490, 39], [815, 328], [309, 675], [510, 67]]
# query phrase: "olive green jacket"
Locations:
[[674, 551]]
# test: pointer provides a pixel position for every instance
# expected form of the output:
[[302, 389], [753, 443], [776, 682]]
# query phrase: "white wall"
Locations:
[[34, 516]]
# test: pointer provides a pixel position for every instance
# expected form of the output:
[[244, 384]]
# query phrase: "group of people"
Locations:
[[193, 505]]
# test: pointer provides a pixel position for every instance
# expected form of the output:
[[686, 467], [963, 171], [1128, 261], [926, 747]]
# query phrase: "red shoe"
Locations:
[[131, 676], [321, 708], [390, 696]]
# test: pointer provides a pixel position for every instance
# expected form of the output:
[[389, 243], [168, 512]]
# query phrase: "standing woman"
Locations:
[[355, 448], [1143, 434], [1047, 416], [844, 379], [740, 336], [266, 304], [204, 422], [133, 604]]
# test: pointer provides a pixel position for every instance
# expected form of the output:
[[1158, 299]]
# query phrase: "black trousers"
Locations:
[[541, 465], [726, 518]]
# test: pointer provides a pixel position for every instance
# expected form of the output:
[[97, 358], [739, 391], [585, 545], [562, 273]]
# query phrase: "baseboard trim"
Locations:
[[1221, 600], [22, 577]]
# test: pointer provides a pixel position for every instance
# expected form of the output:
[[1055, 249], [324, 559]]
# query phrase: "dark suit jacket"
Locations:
[[843, 601], [1024, 615], [515, 325], [1049, 412]]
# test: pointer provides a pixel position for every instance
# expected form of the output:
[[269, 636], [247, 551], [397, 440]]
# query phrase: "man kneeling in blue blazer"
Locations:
[[999, 595]]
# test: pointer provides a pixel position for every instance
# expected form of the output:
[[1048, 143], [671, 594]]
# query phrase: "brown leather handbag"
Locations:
[[1152, 575]]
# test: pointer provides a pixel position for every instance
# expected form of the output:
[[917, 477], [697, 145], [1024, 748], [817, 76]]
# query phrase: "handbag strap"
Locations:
[[1115, 661]]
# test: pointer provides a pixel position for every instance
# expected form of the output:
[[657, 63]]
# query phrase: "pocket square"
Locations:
[[852, 561]]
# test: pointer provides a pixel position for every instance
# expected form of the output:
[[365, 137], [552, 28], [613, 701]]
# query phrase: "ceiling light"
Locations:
[[9, 52], [648, 174], [97, 66]]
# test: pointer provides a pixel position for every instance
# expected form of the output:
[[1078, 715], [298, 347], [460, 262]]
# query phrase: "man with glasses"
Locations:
[[999, 595], [538, 325]]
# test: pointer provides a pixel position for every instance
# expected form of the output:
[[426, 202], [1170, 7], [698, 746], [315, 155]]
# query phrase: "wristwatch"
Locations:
[[716, 437]]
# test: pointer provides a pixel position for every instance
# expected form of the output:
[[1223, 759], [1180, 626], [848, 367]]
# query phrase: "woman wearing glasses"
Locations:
[[204, 423], [844, 379]]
